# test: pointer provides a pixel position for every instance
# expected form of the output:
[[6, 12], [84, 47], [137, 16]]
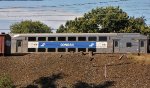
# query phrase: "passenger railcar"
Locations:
[[77, 42]]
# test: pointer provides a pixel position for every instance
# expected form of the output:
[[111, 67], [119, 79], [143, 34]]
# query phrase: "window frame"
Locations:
[[92, 49], [80, 38], [81, 49], [128, 44], [71, 49], [41, 39], [40, 50], [116, 43], [95, 38], [103, 38], [53, 39], [61, 49], [51, 50], [142, 43], [31, 39], [31, 49], [72, 39], [61, 39]]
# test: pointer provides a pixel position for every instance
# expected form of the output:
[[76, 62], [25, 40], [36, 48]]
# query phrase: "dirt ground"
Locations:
[[77, 70]]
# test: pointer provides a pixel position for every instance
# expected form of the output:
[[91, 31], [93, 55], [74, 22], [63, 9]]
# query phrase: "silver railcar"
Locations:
[[77, 42]]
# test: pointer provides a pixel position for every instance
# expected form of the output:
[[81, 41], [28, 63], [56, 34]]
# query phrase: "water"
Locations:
[[56, 12]]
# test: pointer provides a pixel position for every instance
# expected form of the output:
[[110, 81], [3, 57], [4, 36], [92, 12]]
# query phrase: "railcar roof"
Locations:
[[77, 34]]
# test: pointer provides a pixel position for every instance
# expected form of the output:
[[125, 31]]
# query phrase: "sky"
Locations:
[[56, 12]]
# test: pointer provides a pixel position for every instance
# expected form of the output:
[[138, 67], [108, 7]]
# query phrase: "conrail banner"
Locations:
[[67, 44]]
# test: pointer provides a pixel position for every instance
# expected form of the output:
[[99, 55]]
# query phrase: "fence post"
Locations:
[[105, 71]]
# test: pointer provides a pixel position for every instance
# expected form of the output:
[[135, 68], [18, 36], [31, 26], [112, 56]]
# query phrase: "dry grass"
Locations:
[[143, 58]]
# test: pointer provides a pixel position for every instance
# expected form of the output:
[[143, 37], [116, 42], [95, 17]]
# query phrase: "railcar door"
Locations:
[[116, 46], [19, 46], [142, 48]]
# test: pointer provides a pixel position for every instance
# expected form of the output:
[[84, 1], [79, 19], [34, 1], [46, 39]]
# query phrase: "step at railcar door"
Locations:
[[116, 46], [19, 46]]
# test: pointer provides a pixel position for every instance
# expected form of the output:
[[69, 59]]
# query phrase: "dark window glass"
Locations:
[[51, 38], [61, 49], [128, 44], [81, 38], [102, 38], [92, 49], [61, 38], [92, 38], [31, 38], [41, 38], [51, 50], [142, 43], [31, 49], [71, 38], [71, 49], [41, 49], [81, 49], [19, 43], [116, 43]]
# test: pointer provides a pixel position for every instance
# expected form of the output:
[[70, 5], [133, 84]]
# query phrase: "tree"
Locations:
[[105, 19], [29, 26]]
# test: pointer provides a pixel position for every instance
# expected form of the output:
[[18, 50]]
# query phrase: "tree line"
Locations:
[[99, 20]]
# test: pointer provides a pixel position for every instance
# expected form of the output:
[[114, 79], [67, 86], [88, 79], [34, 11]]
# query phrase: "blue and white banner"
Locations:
[[67, 44]]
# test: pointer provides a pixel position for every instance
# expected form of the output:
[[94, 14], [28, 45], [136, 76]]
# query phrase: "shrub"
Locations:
[[6, 82]]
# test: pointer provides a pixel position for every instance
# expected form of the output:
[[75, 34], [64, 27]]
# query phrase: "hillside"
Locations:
[[77, 70]]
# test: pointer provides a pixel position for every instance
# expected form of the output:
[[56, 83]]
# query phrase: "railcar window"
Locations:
[[92, 38], [142, 43], [102, 38], [51, 38], [61, 49], [116, 43], [51, 50], [71, 49], [31, 38], [82, 49], [92, 49], [41, 49], [128, 44], [81, 38], [71, 38], [31, 49], [41, 38], [19, 43], [61, 38]]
